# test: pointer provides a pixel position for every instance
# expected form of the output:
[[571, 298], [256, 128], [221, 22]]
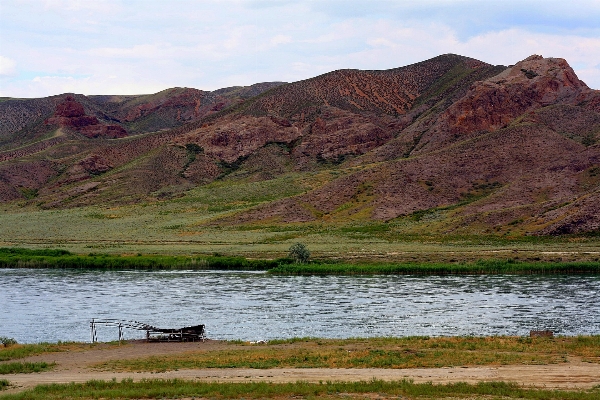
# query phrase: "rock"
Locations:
[[530, 84], [105, 131], [71, 114], [95, 164], [69, 108]]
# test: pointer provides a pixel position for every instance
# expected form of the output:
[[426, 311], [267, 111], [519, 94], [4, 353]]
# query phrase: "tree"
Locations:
[[299, 252]]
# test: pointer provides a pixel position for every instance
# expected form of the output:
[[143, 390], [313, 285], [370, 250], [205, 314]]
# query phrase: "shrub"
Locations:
[[299, 253], [6, 341]]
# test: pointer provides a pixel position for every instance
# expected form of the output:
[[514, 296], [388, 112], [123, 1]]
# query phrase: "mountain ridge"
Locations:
[[451, 143]]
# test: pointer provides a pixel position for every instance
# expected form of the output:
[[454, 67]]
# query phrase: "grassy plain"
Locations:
[[174, 229], [187, 226]]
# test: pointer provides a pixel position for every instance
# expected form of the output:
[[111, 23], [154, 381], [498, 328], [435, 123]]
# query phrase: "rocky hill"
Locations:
[[453, 143]]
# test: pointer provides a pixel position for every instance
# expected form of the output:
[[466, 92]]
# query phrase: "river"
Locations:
[[57, 305]]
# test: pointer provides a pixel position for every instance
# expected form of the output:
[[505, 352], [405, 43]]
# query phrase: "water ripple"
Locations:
[[52, 305]]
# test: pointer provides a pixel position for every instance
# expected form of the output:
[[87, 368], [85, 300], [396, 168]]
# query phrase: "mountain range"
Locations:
[[452, 141]]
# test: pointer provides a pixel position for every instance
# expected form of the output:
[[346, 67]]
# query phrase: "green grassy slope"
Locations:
[[185, 226]]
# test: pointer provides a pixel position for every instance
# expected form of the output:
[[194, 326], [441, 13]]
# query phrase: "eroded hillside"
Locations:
[[451, 144]]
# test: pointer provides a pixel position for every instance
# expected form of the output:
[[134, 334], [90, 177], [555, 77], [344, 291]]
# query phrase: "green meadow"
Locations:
[[200, 223], [196, 224]]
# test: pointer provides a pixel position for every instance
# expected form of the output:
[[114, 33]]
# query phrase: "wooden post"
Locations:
[[94, 336]]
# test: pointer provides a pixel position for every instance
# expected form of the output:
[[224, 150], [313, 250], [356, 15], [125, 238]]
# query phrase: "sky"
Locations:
[[49, 47]]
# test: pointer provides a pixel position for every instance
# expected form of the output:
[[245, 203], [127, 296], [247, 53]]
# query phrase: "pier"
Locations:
[[194, 333]]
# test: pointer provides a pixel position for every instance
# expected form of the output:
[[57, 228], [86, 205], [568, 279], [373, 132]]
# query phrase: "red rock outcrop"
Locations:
[[233, 139], [176, 106], [496, 102], [71, 114], [185, 102]]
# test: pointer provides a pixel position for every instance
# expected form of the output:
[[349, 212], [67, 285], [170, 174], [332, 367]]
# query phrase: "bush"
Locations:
[[299, 253], [6, 341]]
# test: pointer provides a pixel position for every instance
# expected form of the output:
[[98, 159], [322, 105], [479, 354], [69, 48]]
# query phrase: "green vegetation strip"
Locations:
[[26, 258], [4, 384], [480, 267], [24, 367], [49, 258], [413, 352], [159, 389]]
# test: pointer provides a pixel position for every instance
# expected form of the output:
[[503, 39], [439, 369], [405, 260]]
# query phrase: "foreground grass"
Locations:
[[412, 352], [24, 367], [159, 389]]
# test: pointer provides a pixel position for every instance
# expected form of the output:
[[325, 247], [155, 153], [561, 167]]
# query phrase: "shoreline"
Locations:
[[63, 259]]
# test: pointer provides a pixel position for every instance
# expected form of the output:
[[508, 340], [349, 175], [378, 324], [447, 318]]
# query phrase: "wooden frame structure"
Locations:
[[194, 333]]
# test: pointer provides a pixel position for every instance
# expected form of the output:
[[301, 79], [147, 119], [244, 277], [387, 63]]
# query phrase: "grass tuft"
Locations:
[[24, 367]]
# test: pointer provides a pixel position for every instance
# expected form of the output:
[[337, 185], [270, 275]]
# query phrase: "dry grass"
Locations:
[[375, 353], [26, 350]]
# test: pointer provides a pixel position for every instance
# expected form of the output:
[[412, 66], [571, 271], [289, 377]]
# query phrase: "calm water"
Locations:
[[52, 305]]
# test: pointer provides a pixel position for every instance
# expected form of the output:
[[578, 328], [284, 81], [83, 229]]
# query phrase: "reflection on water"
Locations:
[[52, 305]]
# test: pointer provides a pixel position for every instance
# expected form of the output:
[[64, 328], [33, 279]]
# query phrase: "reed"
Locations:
[[25, 258], [482, 267]]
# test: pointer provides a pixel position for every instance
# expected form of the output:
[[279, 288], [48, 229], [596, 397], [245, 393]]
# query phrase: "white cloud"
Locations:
[[280, 39], [7, 66], [42, 86], [122, 47], [591, 76], [72, 6], [136, 52]]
